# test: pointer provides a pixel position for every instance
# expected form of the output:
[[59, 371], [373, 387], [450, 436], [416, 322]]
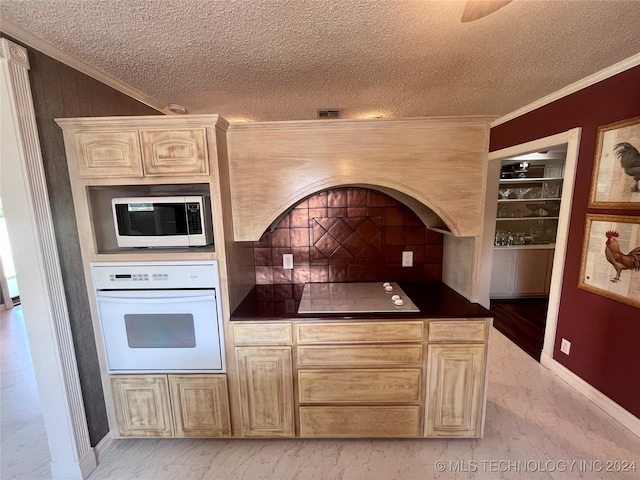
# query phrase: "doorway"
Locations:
[[569, 142], [9, 291]]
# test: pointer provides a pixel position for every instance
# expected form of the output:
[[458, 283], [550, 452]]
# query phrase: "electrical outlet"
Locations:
[[287, 261], [565, 346], [407, 258]]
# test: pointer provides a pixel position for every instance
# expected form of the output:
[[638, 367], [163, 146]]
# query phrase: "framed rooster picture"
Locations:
[[616, 176], [611, 257]]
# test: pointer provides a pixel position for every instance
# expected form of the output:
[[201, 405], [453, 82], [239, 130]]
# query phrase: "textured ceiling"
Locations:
[[284, 59]]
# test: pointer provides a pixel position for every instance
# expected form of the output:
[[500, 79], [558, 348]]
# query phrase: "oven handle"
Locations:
[[156, 301]]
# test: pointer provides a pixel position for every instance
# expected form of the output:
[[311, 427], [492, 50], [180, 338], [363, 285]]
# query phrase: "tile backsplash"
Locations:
[[348, 234]]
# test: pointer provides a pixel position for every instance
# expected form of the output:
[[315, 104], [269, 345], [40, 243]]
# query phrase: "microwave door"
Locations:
[[151, 224], [151, 219]]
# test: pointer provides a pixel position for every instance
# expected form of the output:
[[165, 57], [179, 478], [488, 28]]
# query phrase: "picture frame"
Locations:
[[604, 235], [614, 186]]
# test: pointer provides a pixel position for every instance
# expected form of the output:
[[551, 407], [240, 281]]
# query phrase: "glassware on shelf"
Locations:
[[551, 189], [537, 233], [502, 238], [519, 238], [543, 209], [505, 193]]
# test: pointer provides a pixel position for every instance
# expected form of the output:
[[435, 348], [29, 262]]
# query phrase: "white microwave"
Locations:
[[162, 221]]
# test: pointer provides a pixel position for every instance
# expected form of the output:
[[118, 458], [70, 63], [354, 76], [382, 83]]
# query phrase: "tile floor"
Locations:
[[536, 426]]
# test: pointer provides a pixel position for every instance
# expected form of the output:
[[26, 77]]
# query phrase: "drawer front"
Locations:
[[359, 386], [359, 332], [458, 331], [358, 355], [346, 421], [262, 333]]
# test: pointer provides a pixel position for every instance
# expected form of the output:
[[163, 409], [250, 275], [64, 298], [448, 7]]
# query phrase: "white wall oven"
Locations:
[[160, 316]]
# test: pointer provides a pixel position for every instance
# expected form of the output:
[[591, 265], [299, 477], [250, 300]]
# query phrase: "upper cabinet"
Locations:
[[145, 156], [174, 152], [108, 154], [138, 153]]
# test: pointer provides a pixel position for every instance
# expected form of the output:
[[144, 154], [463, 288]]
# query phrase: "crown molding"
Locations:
[[74, 62], [608, 72]]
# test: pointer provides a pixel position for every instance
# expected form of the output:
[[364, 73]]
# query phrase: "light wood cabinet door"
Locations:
[[142, 405], [200, 405], [266, 391], [455, 390], [108, 154], [174, 152]]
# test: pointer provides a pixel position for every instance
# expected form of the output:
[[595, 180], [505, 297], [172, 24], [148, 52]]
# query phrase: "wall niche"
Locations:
[[347, 234]]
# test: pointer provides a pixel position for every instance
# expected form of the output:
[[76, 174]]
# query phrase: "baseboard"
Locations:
[[74, 470], [626, 418], [88, 463], [104, 446]]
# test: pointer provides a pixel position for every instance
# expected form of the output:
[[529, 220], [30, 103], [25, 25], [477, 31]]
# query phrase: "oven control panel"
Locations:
[[151, 275]]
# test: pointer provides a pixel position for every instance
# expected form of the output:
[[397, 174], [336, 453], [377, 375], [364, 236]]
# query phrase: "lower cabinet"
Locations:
[[171, 405], [519, 272], [456, 378], [362, 379], [200, 405], [266, 391]]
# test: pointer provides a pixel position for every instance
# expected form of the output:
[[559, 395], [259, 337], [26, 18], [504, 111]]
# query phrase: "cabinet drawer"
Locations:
[[359, 332], [458, 331], [350, 355], [262, 333], [359, 386], [343, 421]]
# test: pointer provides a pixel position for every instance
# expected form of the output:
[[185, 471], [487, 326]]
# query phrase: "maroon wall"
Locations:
[[604, 334]]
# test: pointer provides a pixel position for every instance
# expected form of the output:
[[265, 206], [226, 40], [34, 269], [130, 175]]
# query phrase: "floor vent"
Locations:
[[329, 113]]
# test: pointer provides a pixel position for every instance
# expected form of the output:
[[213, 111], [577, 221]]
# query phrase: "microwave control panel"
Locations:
[[194, 218]]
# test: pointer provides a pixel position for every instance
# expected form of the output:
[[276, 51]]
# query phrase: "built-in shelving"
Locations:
[[527, 218]]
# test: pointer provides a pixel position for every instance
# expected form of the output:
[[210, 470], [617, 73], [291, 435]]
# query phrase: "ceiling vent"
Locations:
[[329, 113]]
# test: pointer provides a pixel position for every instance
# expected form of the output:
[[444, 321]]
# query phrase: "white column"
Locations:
[[28, 215]]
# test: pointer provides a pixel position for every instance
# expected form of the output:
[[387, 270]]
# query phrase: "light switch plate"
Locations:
[[407, 258], [287, 261]]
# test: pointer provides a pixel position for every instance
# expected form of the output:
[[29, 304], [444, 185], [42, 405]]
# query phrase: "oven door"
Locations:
[[161, 330]]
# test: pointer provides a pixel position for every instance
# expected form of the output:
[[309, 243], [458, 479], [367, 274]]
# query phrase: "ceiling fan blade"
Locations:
[[475, 9]]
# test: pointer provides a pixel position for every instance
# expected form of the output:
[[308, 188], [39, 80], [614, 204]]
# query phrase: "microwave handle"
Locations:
[[155, 301]]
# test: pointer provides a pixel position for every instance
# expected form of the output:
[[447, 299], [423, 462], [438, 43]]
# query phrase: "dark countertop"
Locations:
[[280, 302]]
